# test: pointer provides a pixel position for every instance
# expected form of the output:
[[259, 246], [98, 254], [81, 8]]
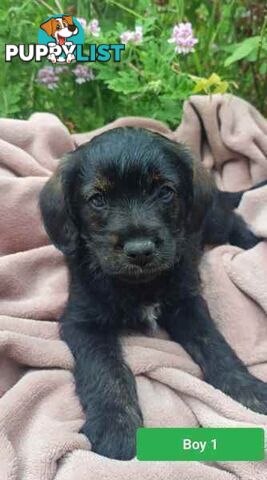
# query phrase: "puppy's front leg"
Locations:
[[106, 388], [192, 327]]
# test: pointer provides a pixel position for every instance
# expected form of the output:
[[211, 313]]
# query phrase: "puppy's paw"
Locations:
[[246, 389], [249, 240], [240, 234], [254, 396], [114, 436]]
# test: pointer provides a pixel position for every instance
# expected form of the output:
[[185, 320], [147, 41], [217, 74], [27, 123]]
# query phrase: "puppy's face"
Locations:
[[128, 195], [131, 204], [60, 28]]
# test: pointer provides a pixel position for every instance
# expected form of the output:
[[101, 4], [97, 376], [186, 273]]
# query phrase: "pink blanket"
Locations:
[[40, 415]]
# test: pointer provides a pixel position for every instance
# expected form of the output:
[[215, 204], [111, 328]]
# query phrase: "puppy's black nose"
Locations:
[[72, 28], [139, 251]]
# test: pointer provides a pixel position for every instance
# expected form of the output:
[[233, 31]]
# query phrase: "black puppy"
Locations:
[[131, 210]]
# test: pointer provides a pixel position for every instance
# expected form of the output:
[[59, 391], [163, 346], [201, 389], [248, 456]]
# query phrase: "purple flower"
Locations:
[[126, 36], [183, 37], [94, 28], [138, 34], [48, 76], [82, 21], [83, 74], [134, 36], [61, 68]]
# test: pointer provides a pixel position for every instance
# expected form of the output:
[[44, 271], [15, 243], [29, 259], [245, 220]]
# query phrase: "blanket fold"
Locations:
[[40, 414]]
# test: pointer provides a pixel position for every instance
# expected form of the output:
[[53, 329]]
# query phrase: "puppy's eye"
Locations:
[[58, 27], [166, 194], [64, 24], [98, 201]]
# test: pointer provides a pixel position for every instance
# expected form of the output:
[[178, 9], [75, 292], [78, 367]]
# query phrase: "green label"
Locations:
[[197, 444]]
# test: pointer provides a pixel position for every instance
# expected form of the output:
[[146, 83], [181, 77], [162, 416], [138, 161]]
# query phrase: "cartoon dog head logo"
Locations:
[[60, 28], [63, 31]]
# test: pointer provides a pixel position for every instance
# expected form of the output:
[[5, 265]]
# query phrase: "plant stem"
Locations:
[[59, 6], [44, 4], [197, 63], [262, 33], [126, 9], [99, 100]]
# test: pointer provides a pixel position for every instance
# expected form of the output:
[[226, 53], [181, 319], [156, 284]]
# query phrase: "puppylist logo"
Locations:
[[61, 40]]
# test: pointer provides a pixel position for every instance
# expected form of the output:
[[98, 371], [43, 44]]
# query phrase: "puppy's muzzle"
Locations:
[[139, 251]]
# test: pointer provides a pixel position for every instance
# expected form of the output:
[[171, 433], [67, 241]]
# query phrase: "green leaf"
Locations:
[[200, 85], [104, 72], [125, 82], [154, 86], [10, 100], [221, 88], [213, 84], [263, 68], [170, 110], [243, 50]]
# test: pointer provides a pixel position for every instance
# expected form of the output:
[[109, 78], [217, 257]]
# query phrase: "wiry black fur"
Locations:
[[135, 172]]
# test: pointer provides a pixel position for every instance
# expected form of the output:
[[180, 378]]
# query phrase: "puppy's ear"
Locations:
[[55, 208], [199, 187], [68, 19], [47, 27], [203, 192]]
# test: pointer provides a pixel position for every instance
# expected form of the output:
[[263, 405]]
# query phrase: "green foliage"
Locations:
[[248, 49], [152, 80]]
